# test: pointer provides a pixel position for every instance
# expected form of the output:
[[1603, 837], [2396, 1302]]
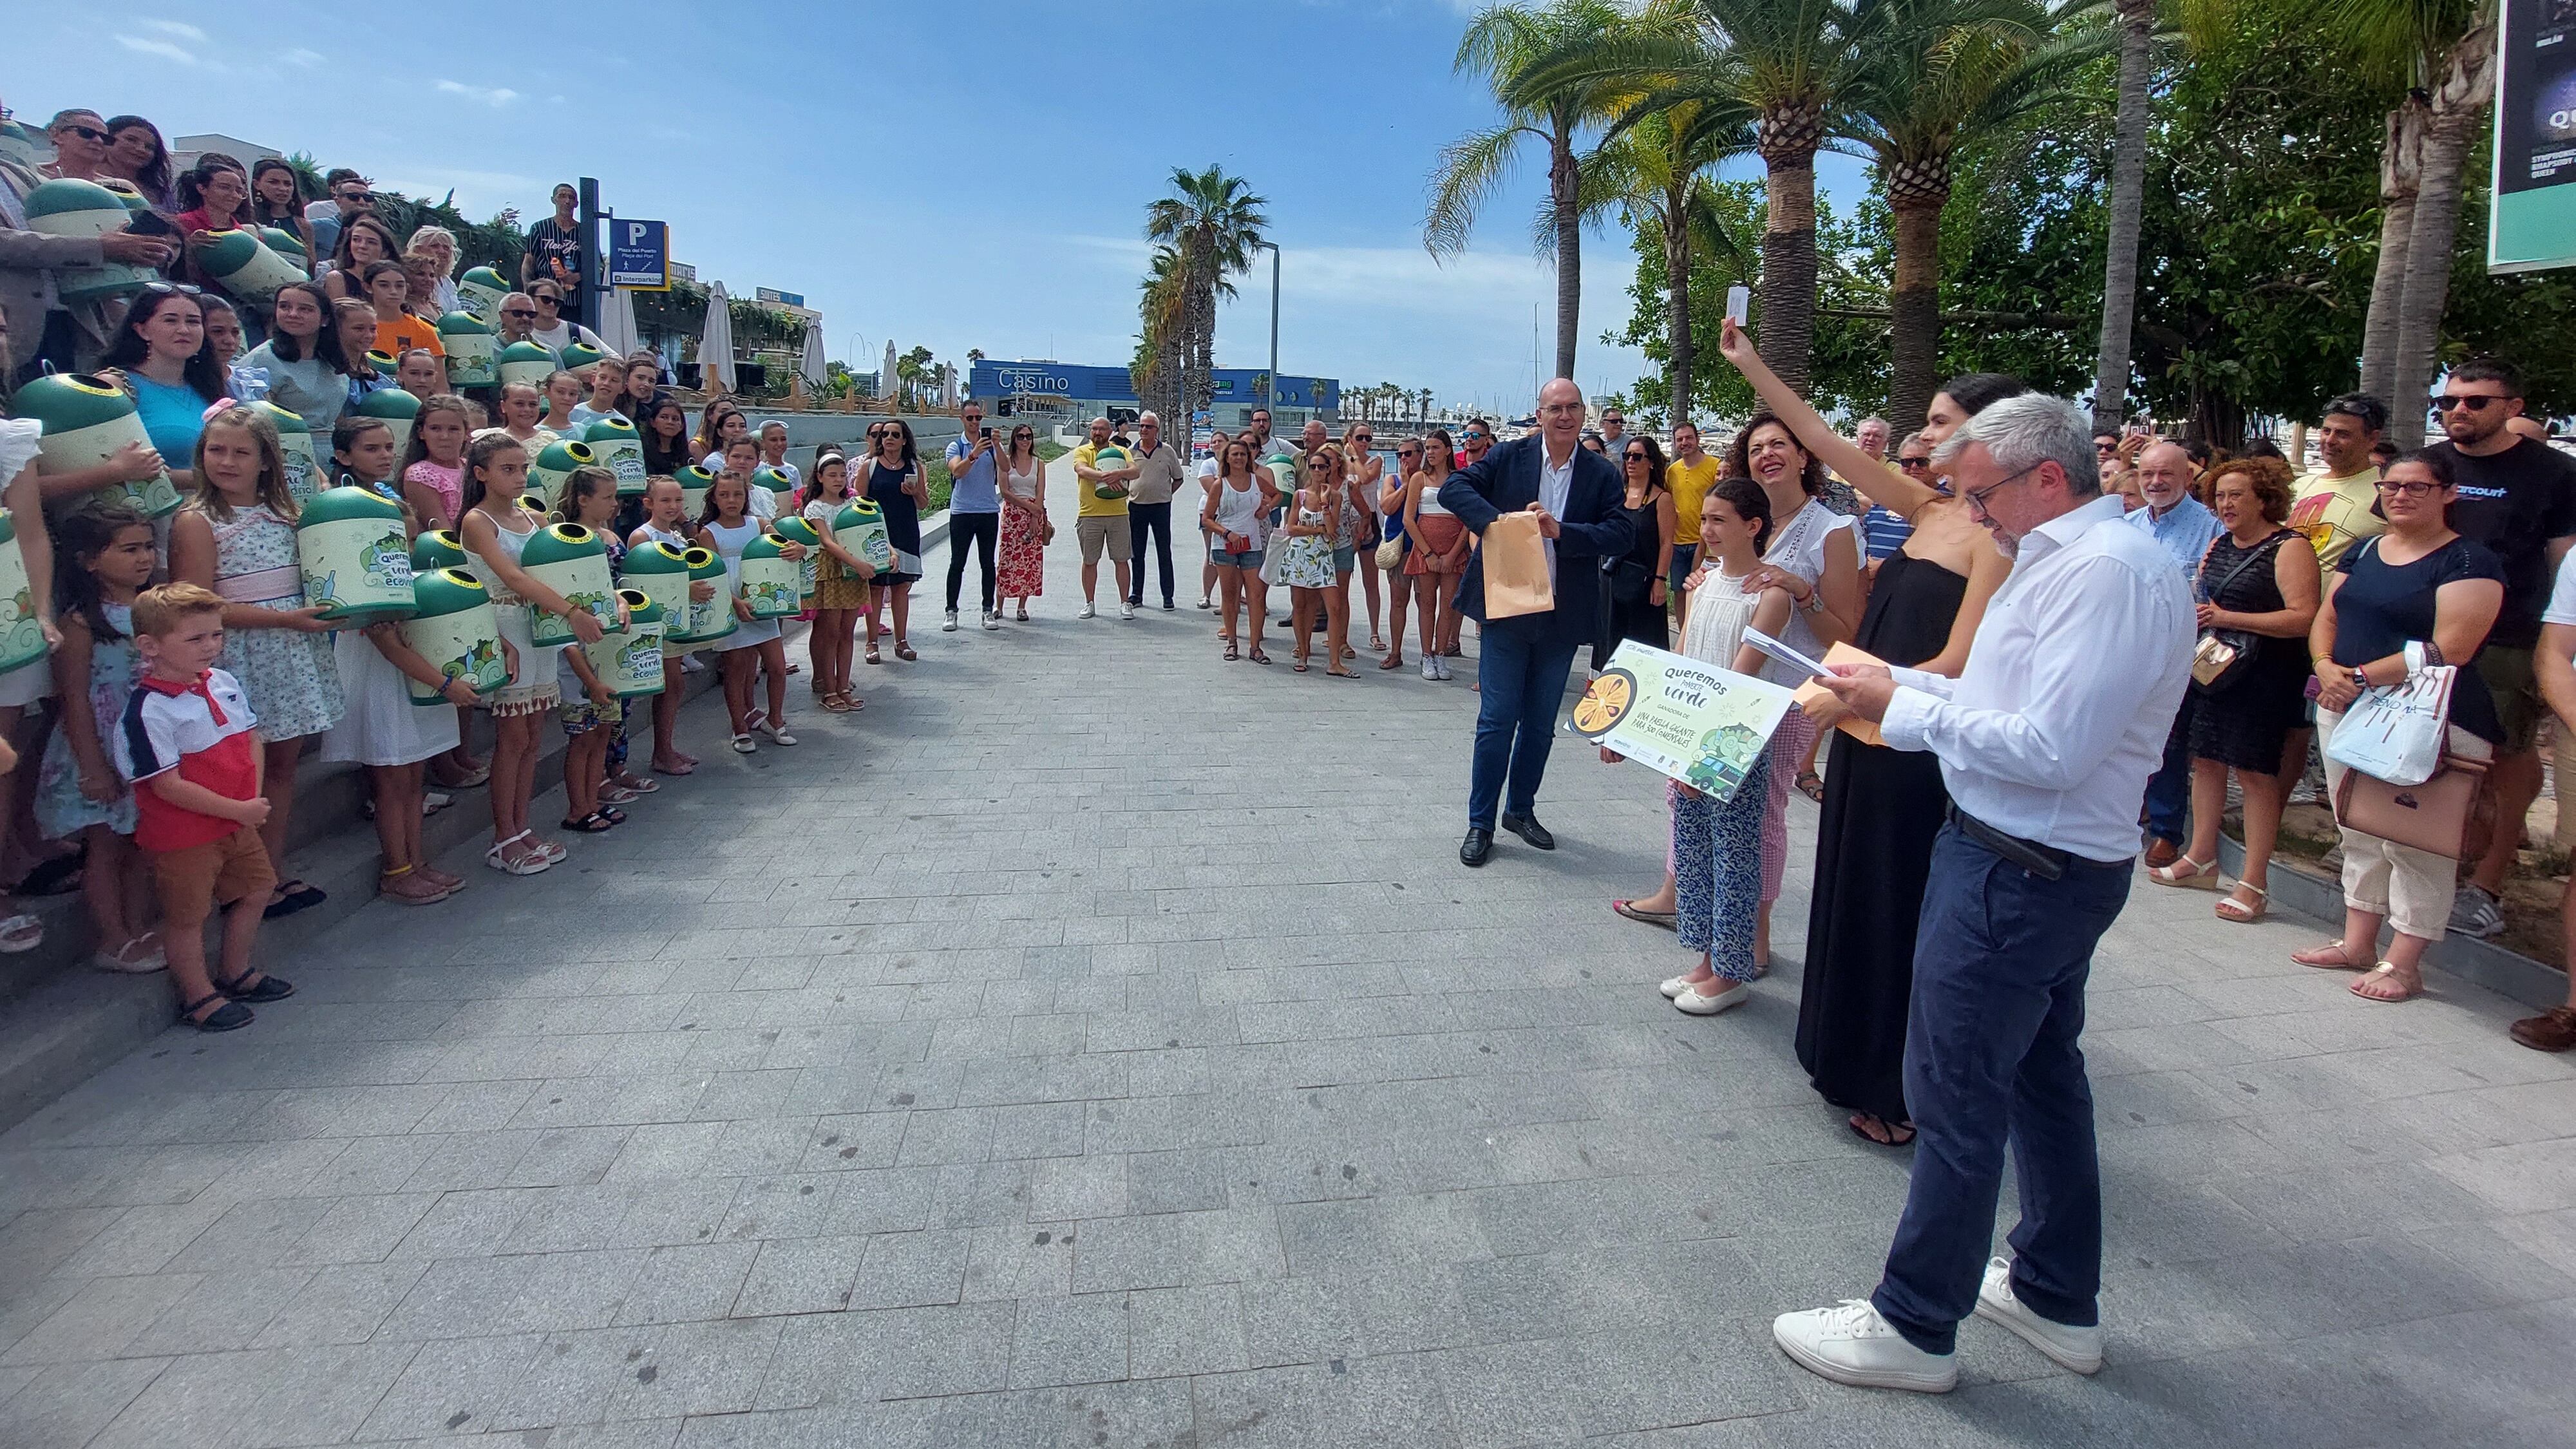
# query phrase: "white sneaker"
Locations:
[[1700, 1003], [1444, 668], [1088, 612], [1126, 611], [2078, 1349], [1852, 1344], [992, 619], [951, 626], [1431, 669]]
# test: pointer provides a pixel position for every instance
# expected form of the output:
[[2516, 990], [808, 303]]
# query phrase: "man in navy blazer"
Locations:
[[1523, 660]]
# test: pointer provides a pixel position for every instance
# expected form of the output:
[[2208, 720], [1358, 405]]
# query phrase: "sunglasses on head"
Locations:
[[164, 289]]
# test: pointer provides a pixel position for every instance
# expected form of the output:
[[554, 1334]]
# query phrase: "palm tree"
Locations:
[[1162, 342], [1213, 224], [2465, 61], [1944, 74], [1502, 45], [2134, 21]]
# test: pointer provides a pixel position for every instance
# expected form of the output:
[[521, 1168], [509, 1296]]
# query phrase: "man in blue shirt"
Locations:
[[974, 509], [2185, 527]]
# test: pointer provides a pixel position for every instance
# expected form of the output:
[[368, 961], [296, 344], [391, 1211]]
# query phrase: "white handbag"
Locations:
[[2395, 732]]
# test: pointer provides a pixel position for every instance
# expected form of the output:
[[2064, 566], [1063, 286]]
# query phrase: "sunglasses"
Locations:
[[363, 198], [548, 299], [88, 133], [1910, 464], [1636, 455], [1319, 466], [2447, 401], [518, 311], [164, 289]]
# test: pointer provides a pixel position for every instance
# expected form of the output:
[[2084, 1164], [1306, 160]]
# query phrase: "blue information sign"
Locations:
[[639, 255]]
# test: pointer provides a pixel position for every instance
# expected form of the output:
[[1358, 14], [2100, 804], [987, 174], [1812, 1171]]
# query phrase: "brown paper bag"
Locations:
[[1516, 568], [1850, 724]]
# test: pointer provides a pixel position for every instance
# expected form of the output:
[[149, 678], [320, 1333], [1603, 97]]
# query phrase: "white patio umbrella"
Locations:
[[715, 341], [617, 322], [813, 365]]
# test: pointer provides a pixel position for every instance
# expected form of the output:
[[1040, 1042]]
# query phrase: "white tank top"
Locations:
[[1432, 507], [1238, 509], [1799, 547], [1720, 611], [512, 544], [1023, 485]]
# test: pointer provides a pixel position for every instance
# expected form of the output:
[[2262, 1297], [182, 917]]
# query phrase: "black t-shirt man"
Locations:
[[2515, 502], [553, 242]]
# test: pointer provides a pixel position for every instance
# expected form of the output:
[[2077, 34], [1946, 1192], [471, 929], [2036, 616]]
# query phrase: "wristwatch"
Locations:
[[2360, 679], [1814, 602]]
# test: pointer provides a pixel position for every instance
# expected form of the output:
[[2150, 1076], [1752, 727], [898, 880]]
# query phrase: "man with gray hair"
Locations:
[[2045, 740], [1159, 472]]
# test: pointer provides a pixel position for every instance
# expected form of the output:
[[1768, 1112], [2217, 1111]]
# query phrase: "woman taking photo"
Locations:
[[1232, 518], [1883, 807], [308, 375], [2257, 588], [1020, 571], [137, 156], [364, 241], [895, 486], [1632, 595], [275, 202], [1440, 547], [2417, 583]]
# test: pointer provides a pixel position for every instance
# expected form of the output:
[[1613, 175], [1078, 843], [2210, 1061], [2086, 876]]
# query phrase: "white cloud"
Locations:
[[302, 57], [161, 48], [493, 96], [179, 28]]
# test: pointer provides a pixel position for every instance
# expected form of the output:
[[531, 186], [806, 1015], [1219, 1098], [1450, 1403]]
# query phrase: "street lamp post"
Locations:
[[1270, 379]]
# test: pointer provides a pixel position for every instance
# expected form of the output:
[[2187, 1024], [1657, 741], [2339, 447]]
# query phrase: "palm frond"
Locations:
[[1471, 170]]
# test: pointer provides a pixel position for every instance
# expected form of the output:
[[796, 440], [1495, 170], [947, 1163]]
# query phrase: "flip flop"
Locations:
[[1665, 919]]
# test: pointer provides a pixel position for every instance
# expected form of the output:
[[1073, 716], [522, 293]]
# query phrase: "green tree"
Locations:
[[1945, 73], [1214, 224], [1502, 45], [2135, 22]]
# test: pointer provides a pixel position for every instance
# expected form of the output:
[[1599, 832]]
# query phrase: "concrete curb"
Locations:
[[2506, 973]]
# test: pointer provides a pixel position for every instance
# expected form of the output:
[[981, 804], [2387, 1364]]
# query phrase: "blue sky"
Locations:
[[955, 174]]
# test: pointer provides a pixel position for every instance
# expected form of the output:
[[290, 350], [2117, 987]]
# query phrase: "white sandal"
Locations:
[[21, 932], [2203, 877], [2229, 908], [743, 745], [534, 861], [778, 733]]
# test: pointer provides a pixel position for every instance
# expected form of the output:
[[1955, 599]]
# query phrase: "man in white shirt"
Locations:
[[2184, 528], [2045, 741]]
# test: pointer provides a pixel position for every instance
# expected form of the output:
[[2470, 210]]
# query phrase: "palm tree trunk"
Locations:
[[1914, 329], [2128, 206], [1677, 318], [1787, 143], [1564, 184], [2451, 129], [2401, 173]]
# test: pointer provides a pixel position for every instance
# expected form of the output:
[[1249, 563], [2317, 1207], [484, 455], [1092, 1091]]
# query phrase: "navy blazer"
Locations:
[[1593, 527]]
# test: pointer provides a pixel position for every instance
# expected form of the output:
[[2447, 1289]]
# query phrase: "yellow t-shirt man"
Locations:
[[1689, 483], [2334, 513], [1093, 505]]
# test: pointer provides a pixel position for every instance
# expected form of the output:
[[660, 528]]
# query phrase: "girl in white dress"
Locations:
[[754, 646]]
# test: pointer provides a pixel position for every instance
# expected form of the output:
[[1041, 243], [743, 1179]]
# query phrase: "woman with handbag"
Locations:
[[2418, 596], [1632, 597], [1233, 518], [2258, 596]]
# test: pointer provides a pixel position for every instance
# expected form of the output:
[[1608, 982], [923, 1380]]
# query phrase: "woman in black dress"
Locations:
[[1882, 807], [2257, 585], [1632, 594], [895, 484]]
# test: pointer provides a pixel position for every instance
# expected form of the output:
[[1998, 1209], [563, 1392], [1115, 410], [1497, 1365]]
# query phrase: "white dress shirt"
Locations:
[[1555, 486], [2071, 687]]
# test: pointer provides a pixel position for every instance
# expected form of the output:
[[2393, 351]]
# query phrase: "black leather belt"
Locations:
[[2045, 861]]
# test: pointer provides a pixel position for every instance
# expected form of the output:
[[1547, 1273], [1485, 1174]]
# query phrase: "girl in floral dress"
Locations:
[[107, 557], [237, 537]]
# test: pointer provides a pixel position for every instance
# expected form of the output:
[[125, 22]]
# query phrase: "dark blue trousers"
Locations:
[[2000, 961], [2169, 788], [1522, 670]]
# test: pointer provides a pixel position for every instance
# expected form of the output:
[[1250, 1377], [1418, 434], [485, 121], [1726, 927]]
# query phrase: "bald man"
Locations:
[[1523, 660]]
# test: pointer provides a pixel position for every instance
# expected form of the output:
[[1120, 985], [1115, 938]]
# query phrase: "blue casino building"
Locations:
[[1086, 391]]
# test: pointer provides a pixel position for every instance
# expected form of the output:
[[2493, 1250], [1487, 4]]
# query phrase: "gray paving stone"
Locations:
[[63, 1406], [1081, 1339]]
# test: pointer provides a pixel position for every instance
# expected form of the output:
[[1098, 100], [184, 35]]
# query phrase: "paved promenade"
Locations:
[[1096, 1044]]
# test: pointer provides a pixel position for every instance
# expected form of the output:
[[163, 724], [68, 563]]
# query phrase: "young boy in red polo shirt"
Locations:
[[186, 742]]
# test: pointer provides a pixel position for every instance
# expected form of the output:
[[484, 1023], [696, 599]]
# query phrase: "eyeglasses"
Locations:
[[2447, 401], [1977, 496], [2409, 490], [1910, 464], [88, 133]]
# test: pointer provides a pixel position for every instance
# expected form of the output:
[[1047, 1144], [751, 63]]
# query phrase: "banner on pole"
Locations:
[[2531, 222]]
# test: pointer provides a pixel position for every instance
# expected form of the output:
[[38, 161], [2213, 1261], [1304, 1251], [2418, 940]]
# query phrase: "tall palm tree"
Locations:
[[1502, 44], [2134, 21], [1213, 224], [1943, 74], [1651, 168], [1162, 338], [2462, 70]]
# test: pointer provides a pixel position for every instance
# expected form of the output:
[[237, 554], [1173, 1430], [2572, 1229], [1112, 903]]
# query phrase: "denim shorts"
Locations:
[[1345, 560], [1250, 558]]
